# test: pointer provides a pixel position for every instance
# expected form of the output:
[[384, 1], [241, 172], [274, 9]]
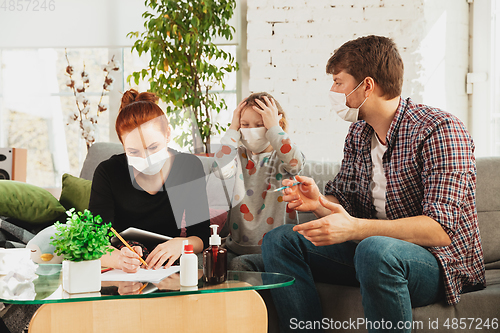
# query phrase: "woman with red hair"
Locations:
[[150, 186]]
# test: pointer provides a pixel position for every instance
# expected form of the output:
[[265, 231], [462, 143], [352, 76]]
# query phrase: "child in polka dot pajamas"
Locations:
[[265, 157]]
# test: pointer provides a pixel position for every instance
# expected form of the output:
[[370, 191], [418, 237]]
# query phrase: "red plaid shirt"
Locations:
[[430, 170]]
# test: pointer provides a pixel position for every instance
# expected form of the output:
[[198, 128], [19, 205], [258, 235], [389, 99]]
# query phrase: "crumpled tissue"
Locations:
[[17, 284]]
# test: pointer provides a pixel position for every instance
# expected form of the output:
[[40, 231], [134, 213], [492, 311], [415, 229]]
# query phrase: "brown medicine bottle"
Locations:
[[214, 259]]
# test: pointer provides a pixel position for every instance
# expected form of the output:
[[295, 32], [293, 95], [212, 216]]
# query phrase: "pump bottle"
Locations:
[[214, 259]]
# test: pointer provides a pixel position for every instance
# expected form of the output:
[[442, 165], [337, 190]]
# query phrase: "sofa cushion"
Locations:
[[75, 192], [98, 152], [321, 172], [488, 185], [27, 202], [481, 305], [488, 207], [489, 227]]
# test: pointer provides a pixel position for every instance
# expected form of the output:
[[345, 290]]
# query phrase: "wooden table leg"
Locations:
[[237, 311]]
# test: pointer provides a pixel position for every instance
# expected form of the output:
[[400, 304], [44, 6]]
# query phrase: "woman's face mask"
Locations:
[[338, 102], [150, 165], [149, 160]]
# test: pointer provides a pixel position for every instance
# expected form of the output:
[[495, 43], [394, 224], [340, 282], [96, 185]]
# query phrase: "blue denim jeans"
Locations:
[[244, 262], [393, 275]]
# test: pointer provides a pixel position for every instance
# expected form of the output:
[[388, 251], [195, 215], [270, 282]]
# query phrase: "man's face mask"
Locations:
[[338, 102], [254, 139]]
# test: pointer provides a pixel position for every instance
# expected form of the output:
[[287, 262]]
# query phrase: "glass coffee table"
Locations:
[[152, 307]]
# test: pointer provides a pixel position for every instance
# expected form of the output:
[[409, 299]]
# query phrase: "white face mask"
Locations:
[[151, 167], [254, 139], [338, 102]]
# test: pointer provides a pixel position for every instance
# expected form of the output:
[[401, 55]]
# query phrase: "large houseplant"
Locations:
[[179, 37], [82, 241]]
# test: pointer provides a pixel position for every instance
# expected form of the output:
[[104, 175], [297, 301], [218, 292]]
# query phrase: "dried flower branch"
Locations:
[[88, 123]]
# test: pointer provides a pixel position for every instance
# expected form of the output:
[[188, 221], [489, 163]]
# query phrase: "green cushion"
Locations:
[[28, 202], [75, 192]]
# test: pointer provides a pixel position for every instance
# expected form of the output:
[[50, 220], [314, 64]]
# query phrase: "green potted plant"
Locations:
[[186, 64], [82, 241]]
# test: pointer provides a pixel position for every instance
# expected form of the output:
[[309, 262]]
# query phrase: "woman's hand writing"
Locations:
[[128, 261]]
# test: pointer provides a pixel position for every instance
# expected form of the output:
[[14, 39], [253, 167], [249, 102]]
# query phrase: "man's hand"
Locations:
[[269, 112], [338, 227], [235, 123], [303, 197], [165, 252]]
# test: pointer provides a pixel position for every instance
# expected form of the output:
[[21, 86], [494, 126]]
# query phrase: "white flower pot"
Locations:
[[81, 276]]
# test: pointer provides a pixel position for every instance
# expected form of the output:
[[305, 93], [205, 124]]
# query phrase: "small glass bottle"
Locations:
[[214, 260]]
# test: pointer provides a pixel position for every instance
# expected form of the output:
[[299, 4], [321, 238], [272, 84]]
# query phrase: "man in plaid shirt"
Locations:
[[399, 219]]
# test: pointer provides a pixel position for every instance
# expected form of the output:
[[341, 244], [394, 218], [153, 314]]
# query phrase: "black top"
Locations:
[[118, 199]]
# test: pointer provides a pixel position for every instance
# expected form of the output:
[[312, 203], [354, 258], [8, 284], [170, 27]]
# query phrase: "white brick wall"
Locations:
[[289, 43]]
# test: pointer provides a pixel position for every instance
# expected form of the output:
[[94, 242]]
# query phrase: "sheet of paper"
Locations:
[[143, 275]]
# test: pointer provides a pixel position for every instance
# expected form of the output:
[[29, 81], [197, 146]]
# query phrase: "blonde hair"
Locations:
[[260, 96]]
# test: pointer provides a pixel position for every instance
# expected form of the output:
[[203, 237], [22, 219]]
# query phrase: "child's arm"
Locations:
[[227, 155], [292, 158], [290, 155]]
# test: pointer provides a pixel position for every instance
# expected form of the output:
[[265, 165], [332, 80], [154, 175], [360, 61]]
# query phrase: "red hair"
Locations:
[[139, 108]]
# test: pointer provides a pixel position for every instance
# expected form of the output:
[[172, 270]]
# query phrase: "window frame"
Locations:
[[482, 73], [239, 41]]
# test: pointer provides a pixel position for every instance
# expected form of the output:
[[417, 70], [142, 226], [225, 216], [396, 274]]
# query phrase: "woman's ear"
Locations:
[[169, 134]]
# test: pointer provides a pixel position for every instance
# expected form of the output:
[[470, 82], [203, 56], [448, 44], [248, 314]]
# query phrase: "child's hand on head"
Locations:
[[235, 123], [269, 112]]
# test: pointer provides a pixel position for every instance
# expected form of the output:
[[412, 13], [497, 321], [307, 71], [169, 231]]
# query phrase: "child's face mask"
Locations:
[[254, 139]]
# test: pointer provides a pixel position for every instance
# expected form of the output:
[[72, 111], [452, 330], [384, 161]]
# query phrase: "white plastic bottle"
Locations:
[[189, 267]]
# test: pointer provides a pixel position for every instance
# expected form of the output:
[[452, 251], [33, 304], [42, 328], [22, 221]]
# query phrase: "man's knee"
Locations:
[[376, 256], [278, 236]]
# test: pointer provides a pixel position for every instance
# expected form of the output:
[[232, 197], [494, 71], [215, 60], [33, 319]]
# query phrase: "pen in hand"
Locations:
[[284, 187], [127, 245]]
